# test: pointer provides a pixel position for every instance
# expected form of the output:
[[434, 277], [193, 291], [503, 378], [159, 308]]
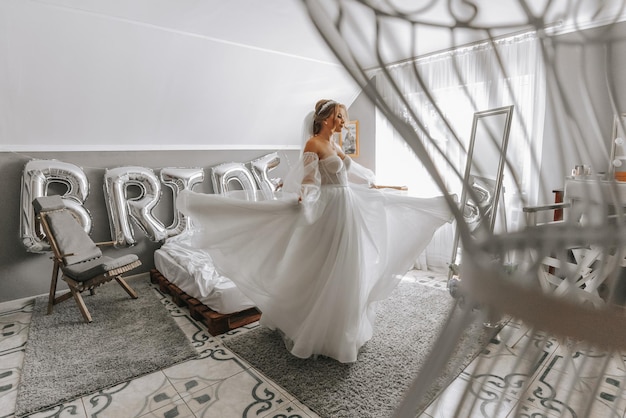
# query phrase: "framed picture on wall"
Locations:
[[349, 138]]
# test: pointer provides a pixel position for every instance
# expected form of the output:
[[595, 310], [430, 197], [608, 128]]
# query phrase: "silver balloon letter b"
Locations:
[[37, 176]]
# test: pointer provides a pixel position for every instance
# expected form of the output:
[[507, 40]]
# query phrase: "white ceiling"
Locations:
[[146, 74]]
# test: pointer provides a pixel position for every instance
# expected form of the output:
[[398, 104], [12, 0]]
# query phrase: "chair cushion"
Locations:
[[47, 203], [84, 271], [73, 242]]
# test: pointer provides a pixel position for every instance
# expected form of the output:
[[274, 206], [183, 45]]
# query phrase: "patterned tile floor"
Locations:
[[218, 384]]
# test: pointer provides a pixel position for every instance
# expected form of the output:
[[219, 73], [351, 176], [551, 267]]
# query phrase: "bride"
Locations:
[[318, 257]]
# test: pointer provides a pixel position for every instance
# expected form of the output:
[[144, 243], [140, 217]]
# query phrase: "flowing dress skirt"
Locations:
[[316, 272]]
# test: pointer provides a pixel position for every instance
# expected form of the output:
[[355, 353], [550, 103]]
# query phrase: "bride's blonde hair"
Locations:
[[323, 109]]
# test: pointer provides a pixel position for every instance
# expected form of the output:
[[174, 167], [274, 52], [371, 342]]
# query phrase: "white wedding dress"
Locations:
[[316, 268]]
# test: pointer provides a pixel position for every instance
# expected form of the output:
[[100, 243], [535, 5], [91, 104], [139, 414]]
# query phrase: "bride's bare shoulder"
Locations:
[[312, 145]]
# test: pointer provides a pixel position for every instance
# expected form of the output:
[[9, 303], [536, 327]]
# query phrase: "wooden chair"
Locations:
[[77, 257]]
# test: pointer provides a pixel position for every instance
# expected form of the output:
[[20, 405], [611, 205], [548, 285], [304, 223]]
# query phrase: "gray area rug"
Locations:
[[407, 325], [67, 358]]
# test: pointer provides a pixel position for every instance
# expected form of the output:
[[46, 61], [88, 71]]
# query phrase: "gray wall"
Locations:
[[25, 274]]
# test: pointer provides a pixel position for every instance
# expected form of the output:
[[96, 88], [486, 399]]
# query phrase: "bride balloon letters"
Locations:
[[40, 176], [37, 177]]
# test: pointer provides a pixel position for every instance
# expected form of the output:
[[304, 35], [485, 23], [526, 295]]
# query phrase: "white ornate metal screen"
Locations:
[[561, 280]]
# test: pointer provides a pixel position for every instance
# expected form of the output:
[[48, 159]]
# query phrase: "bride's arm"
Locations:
[[358, 174], [311, 179]]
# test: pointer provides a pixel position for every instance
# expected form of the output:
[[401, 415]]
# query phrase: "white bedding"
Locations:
[[193, 271]]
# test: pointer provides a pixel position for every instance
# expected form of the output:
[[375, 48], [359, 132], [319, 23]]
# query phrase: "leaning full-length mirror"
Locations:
[[482, 181]]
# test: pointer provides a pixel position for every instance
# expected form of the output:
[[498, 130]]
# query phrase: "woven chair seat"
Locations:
[[86, 270]]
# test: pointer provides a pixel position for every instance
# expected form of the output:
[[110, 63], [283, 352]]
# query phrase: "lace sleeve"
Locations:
[[359, 174], [304, 178], [311, 179]]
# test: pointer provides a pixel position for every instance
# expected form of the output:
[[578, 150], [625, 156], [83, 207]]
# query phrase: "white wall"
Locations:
[[104, 75], [583, 75]]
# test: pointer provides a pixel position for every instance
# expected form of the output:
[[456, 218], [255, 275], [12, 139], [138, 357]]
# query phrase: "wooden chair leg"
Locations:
[[81, 304], [131, 292], [53, 286]]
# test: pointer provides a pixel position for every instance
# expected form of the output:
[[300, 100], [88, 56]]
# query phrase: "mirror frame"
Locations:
[[478, 116], [617, 127]]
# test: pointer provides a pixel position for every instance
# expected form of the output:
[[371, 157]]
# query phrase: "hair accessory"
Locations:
[[326, 106]]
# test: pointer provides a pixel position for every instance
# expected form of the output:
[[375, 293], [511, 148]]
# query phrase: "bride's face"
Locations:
[[339, 120]]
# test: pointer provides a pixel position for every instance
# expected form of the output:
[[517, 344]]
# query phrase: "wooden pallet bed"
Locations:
[[215, 322]]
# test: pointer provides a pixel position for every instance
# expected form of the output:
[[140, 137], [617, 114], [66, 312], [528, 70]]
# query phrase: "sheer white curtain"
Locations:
[[454, 85]]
